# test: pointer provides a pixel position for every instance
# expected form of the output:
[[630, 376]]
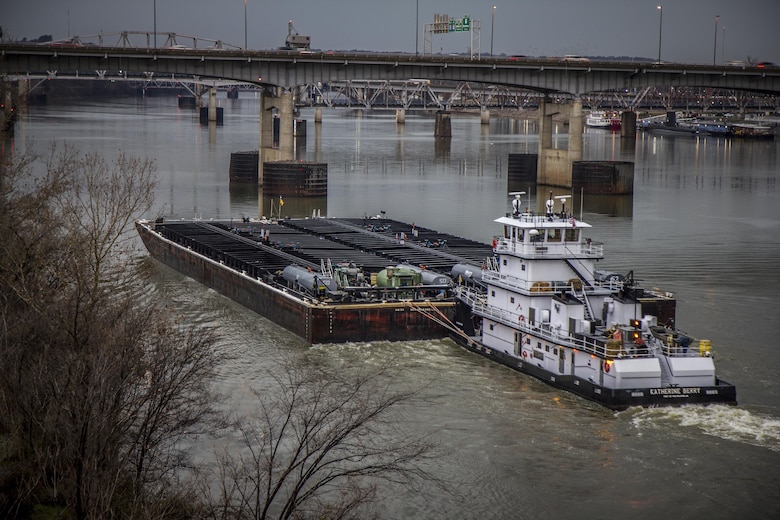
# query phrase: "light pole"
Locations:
[[660, 28], [492, 19], [417, 30], [245, 47], [715, 47]]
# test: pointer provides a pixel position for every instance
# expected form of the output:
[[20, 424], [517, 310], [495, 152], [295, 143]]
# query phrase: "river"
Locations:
[[703, 222]]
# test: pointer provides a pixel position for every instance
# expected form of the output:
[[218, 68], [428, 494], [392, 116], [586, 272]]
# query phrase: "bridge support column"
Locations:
[[269, 151], [400, 116], [22, 95], [443, 125], [628, 124], [554, 167], [318, 115], [484, 116], [212, 105]]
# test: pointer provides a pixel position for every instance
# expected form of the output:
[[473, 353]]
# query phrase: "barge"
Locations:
[[325, 280], [533, 300]]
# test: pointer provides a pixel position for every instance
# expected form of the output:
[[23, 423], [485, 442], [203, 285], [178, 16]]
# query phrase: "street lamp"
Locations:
[[245, 47], [660, 28], [417, 30], [715, 47], [492, 19]]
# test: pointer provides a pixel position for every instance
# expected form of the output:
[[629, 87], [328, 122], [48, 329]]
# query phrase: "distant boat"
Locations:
[[754, 130], [670, 126], [602, 119]]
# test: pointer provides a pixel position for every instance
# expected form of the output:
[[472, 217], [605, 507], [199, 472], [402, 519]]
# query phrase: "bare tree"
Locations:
[[320, 444], [98, 386]]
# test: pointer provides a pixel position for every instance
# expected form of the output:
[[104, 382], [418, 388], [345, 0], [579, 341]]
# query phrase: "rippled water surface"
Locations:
[[703, 222]]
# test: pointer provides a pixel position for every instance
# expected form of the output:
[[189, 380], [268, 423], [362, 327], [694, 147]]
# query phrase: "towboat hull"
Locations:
[[614, 399]]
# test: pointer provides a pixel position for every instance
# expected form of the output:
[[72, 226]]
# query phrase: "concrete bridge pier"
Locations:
[[400, 116], [443, 126], [484, 116], [317, 115], [282, 105], [554, 166], [22, 96], [212, 105], [628, 124]]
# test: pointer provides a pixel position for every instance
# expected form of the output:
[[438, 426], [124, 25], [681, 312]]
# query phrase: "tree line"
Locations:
[[103, 387]]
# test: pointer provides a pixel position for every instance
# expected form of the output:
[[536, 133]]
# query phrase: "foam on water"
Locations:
[[726, 422]]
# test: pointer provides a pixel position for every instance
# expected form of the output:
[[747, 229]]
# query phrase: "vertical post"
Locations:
[[723, 47], [213, 105], [660, 28], [245, 47], [492, 20], [417, 29], [575, 130], [155, 23], [715, 46]]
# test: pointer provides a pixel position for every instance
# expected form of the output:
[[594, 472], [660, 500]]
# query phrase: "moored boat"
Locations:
[[602, 119], [548, 312], [753, 130]]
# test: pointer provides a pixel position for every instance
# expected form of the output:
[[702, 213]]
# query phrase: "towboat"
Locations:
[[602, 119], [540, 306]]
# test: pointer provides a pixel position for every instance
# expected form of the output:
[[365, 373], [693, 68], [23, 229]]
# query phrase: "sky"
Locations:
[[687, 28]]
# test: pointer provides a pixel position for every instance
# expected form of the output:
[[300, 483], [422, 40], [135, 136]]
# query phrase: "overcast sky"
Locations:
[[530, 27]]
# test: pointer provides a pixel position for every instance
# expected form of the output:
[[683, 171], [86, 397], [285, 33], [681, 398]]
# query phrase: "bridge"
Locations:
[[288, 69], [280, 72]]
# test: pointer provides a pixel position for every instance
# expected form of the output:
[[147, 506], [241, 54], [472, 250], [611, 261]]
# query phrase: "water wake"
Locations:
[[726, 422]]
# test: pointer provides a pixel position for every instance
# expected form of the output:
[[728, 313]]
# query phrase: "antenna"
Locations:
[[516, 203], [563, 198]]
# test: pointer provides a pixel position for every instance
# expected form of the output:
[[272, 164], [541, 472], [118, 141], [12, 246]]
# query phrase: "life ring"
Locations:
[[521, 318], [525, 354], [607, 365]]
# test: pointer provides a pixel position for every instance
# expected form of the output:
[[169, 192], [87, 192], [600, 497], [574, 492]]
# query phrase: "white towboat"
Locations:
[[543, 308], [602, 119]]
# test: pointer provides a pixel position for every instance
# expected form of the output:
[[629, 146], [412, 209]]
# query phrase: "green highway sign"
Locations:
[[461, 25]]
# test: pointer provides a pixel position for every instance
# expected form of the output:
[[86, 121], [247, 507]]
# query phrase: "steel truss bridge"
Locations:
[[394, 80]]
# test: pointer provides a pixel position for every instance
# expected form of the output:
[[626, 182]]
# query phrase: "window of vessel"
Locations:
[[554, 235], [511, 299], [571, 235], [492, 293]]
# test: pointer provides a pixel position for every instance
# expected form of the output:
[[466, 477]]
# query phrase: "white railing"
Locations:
[[547, 249], [586, 344]]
